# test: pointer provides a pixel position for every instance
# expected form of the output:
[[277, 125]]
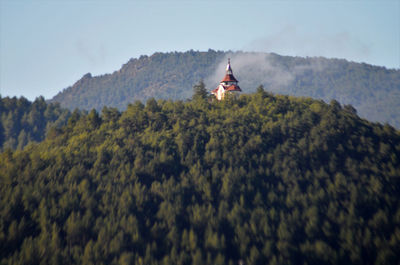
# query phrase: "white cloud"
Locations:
[[292, 41], [95, 54], [263, 67]]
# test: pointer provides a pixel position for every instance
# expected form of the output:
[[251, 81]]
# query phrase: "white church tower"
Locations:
[[227, 85]]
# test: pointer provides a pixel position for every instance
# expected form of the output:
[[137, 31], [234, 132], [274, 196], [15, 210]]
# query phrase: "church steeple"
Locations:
[[229, 79], [228, 67], [228, 84]]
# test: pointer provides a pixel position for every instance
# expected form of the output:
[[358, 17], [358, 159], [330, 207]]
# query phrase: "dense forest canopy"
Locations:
[[22, 121], [262, 179], [374, 91]]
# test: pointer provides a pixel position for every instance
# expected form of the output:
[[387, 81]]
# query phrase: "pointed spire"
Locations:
[[228, 67], [229, 74]]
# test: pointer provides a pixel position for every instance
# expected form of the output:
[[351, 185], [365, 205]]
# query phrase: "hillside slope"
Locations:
[[167, 76], [263, 179], [373, 91]]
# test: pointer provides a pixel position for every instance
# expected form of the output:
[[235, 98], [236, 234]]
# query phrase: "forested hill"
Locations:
[[162, 76], [263, 179], [22, 121], [373, 91]]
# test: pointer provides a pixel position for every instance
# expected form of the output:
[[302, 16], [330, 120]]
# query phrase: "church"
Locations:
[[227, 85]]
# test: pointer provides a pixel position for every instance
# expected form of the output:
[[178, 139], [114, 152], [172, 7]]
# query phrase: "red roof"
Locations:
[[229, 78], [233, 88], [228, 88]]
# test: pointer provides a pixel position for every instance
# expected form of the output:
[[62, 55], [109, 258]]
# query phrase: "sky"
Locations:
[[46, 46]]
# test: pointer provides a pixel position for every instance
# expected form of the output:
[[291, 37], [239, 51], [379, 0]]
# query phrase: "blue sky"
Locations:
[[45, 46]]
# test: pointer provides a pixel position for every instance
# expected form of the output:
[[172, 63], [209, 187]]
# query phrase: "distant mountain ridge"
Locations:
[[374, 91]]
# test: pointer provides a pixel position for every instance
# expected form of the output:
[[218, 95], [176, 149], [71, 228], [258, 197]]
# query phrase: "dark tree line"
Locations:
[[22, 121], [260, 178]]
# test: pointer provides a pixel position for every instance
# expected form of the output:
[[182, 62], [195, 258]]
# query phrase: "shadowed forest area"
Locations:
[[22, 121]]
